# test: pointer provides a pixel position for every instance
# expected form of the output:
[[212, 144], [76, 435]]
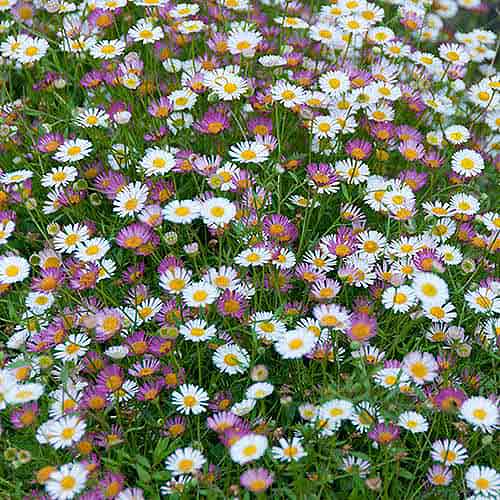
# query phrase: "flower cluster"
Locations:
[[249, 246]]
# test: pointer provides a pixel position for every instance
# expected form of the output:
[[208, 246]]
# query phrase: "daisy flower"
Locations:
[[248, 448], [145, 32], [420, 366], [31, 50], [253, 257], [448, 452], [199, 294], [182, 99], [66, 431], [256, 480], [399, 299], [332, 316], [67, 481], [249, 152], [107, 49], [413, 422], [243, 42], [243, 407], [183, 10], [73, 150], [23, 393], [259, 390], [325, 126], [364, 416], [185, 461], [467, 162], [174, 281], [92, 117], [430, 289], [227, 87], [92, 250], [217, 211], [59, 176], [481, 413], [483, 301], [483, 480], [295, 344], [182, 211], [131, 199], [231, 359], [197, 330], [74, 348], [355, 465], [288, 451], [336, 410], [13, 269], [288, 94], [15, 177], [266, 326], [157, 161], [391, 377], [457, 134], [189, 398], [334, 83], [352, 171]]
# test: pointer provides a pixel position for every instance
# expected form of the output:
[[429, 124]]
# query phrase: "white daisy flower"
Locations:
[[13, 269], [185, 461], [67, 481], [231, 359], [481, 413], [189, 398], [248, 448], [73, 150]]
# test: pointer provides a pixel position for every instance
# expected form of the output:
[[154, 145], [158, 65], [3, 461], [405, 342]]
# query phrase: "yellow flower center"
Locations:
[[131, 204], [429, 290], [74, 150], [12, 270], [108, 49], [185, 465], [67, 482], [288, 95], [230, 87], [217, 211], [200, 295], [248, 154], [482, 483], [189, 401], [480, 414], [231, 360], [177, 284], [68, 433], [250, 450], [419, 370], [146, 34], [296, 343]]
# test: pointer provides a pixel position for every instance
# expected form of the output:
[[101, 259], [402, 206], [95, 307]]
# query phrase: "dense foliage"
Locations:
[[249, 248]]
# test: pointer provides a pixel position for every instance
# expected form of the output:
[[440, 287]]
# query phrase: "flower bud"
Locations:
[[170, 238]]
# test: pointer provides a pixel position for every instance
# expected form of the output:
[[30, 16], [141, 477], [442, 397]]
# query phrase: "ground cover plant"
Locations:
[[249, 248]]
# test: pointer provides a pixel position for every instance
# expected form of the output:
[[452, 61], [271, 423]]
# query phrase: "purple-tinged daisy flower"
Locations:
[[256, 480], [384, 433], [449, 399], [232, 303], [363, 327], [212, 123], [134, 236], [358, 149]]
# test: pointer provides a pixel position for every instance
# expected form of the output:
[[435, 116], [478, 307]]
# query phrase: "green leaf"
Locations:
[[143, 474], [160, 451], [161, 475]]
